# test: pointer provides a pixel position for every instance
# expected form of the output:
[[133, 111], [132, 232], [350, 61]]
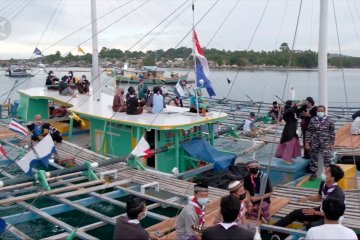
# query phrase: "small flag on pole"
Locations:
[[79, 49], [179, 90], [142, 149], [37, 52], [41, 153], [17, 127], [2, 151]]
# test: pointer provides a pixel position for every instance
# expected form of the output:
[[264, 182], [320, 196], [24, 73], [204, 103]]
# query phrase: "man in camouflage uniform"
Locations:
[[320, 138]]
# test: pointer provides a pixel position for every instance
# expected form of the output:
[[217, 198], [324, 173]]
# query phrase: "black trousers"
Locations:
[[298, 216]]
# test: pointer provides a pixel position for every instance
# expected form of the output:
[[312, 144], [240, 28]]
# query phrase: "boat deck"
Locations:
[[352, 213], [86, 105]]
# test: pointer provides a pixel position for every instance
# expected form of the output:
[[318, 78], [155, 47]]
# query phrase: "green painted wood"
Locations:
[[71, 128], [103, 139]]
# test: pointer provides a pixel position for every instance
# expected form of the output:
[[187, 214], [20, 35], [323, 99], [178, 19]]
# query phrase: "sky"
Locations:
[[43, 23]]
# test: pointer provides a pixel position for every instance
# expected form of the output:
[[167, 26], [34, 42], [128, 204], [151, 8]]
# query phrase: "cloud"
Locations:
[[277, 26]]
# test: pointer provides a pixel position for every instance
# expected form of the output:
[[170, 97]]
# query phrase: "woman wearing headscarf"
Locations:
[[83, 85], [118, 102], [289, 146]]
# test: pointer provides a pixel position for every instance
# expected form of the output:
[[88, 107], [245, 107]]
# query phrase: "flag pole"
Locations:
[[194, 58]]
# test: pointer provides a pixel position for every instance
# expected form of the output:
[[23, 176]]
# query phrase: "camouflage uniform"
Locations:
[[320, 135]]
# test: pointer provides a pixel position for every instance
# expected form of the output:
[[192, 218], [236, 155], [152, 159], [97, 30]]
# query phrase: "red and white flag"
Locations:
[[199, 53], [2, 151], [142, 149], [17, 127]]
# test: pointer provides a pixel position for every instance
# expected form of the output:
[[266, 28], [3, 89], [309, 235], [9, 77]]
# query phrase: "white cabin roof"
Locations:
[[171, 118]]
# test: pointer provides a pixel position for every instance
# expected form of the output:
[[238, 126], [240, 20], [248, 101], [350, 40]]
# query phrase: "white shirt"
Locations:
[[249, 123], [355, 126], [329, 232]]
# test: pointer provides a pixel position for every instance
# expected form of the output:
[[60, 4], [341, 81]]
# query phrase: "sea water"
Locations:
[[244, 85]]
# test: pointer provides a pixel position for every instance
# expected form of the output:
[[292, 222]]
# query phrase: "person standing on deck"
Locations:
[[142, 89], [328, 188], [332, 230], [192, 215], [306, 112], [128, 227], [289, 146], [320, 138], [237, 189], [258, 186], [228, 228]]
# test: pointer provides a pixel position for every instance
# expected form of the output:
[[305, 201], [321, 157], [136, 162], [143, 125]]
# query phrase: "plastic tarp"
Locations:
[[202, 150]]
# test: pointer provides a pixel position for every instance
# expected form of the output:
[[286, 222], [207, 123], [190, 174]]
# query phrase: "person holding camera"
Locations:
[[307, 111]]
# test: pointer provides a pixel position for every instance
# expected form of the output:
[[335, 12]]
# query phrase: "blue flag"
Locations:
[[200, 75], [2, 225], [37, 52]]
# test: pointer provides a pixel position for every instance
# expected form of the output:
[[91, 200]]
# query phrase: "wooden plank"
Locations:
[[93, 189], [46, 193], [17, 233], [86, 210]]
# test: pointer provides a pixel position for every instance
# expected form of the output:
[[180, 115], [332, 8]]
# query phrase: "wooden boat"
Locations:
[[16, 71]]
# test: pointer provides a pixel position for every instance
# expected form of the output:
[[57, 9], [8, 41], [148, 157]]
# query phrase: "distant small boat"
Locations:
[[150, 74], [16, 71]]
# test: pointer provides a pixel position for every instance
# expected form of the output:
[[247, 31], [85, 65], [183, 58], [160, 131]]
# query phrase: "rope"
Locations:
[[292, 50], [161, 22]]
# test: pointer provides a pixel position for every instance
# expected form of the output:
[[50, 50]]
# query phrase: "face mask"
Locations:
[[254, 170], [323, 177], [203, 201], [52, 74], [320, 114], [143, 215], [242, 196]]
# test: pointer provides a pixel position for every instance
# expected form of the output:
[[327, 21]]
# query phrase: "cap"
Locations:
[[251, 162], [201, 188], [233, 186]]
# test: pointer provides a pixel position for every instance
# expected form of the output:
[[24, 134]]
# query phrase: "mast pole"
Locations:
[[322, 55], [194, 57], [95, 76]]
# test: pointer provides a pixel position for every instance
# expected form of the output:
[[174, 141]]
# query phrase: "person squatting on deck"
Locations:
[[275, 112], [312, 217], [51, 79], [307, 111], [128, 227], [258, 187], [228, 228], [192, 216], [320, 138], [331, 230], [83, 86], [249, 128], [132, 103], [289, 146], [119, 104], [64, 87], [37, 129], [155, 102], [237, 189]]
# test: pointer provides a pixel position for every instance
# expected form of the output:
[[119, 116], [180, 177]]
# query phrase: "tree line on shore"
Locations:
[[276, 58]]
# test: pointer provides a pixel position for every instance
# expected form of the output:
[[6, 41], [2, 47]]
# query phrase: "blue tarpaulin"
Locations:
[[201, 149]]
